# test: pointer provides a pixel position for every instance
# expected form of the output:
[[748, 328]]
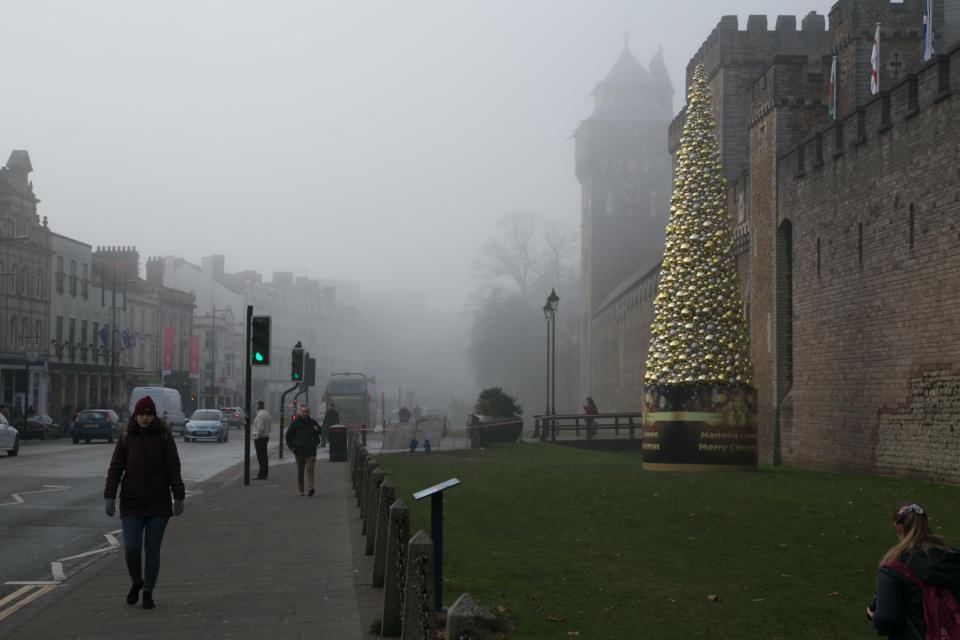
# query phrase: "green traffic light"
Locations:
[[258, 356], [296, 376]]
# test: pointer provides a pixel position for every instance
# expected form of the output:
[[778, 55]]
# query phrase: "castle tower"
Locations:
[[624, 171]]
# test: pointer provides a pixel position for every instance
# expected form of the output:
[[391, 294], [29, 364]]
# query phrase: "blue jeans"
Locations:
[[147, 534]]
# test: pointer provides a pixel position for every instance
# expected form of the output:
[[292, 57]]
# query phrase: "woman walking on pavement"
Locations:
[[146, 467]]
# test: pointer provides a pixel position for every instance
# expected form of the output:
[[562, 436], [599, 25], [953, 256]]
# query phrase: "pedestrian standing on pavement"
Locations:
[[146, 468], [330, 417], [261, 435], [303, 438]]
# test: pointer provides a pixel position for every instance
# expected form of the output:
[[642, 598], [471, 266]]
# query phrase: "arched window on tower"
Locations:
[[14, 333]]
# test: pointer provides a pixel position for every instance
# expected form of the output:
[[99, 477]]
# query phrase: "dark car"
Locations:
[[100, 424], [39, 425], [233, 416]]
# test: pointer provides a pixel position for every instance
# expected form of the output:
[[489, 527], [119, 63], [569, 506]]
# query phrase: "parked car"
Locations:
[[9, 437], [206, 424], [96, 424], [234, 416], [39, 425]]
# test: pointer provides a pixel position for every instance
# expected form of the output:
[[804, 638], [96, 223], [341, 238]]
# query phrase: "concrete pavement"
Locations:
[[254, 561]]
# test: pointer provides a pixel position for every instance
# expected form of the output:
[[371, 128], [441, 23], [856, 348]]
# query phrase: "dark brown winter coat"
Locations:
[[146, 467]]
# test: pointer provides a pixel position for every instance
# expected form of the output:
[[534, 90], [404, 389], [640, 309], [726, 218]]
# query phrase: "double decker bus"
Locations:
[[355, 397]]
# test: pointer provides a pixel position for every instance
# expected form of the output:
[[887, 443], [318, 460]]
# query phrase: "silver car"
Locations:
[[9, 437], [206, 424]]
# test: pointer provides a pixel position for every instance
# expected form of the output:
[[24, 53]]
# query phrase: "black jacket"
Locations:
[[146, 467], [303, 436], [899, 613], [330, 418]]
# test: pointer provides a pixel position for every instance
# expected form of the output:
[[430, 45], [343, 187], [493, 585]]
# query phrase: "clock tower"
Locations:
[[624, 169]]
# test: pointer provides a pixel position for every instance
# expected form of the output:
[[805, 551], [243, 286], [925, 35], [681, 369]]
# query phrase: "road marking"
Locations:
[[85, 554], [16, 594], [34, 582], [47, 488], [28, 598], [111, 540], [56, 568]]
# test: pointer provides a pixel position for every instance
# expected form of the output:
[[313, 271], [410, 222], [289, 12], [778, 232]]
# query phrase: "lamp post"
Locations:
[[548, 314], [552, 301]]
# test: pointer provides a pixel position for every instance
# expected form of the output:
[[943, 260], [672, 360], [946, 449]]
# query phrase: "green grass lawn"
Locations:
[[558, 540]]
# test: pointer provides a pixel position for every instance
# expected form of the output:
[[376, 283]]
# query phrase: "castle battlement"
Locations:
[[914, 97], [727, 44]]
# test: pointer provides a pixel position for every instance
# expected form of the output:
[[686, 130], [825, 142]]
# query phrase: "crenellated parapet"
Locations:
[[919, 96], [733, 59]]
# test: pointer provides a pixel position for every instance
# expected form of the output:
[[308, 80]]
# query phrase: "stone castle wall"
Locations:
[[874, 203]]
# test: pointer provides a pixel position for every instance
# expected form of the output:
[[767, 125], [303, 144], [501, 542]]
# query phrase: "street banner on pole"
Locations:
[[195, 357], [169, 332]]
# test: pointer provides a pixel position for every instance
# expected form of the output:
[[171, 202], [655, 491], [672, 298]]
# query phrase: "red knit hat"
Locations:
[[144, 405]]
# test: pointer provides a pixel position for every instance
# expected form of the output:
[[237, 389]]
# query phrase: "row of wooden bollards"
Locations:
[[403, 566]]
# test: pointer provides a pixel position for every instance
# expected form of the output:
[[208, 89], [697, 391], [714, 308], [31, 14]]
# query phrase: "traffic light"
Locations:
[[260, 341], [296, 363], [310, 372]]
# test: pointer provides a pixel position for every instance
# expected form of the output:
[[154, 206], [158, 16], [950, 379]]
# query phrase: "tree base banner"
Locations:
[[689, 427]]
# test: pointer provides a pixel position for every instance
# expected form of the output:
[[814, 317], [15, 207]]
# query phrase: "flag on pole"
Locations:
[[927, 26], [832, 92], [875, 63]]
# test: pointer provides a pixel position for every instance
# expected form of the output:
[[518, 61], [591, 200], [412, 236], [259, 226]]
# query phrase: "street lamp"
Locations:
[[548, 313], [552, 301]]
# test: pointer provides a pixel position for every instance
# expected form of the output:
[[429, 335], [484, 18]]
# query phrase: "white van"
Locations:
[[168, 405]]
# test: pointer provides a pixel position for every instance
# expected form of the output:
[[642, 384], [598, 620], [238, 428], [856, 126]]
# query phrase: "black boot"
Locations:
[[148, 600], [134, 594]]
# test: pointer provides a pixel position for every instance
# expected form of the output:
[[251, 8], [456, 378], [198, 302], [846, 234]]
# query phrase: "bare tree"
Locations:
[[512, 255], [558, 256]]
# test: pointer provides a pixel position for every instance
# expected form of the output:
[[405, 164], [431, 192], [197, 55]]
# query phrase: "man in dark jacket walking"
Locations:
[[146, 468], [303, 438]]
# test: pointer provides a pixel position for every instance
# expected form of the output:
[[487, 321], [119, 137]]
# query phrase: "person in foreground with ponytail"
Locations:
[[918, 582]]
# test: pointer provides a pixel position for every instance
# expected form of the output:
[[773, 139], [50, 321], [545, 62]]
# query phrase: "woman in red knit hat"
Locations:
[[146, 467]]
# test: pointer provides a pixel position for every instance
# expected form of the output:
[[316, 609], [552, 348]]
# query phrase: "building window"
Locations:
[[72, 338], [912, 227], [25, 336], [84, 281], [95, 341], [73, 278], [14, 275], [59, 274], [59, 334], [25, 281], [13, 333], [83, 340], [38, 289]]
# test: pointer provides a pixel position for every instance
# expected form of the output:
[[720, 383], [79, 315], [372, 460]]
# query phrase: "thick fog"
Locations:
[[372, 141], [378, 142]]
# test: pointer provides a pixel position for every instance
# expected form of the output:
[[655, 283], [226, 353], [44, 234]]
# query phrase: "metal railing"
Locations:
[[579, 425]]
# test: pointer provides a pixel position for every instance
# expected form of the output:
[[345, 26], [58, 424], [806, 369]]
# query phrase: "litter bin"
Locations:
[[337, 443]]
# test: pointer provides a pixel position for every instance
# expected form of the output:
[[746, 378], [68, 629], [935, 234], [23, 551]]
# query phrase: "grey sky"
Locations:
[[375, 141]]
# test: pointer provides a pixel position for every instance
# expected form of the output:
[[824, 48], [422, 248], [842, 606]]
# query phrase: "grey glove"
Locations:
[[109, 506], [177, 506]]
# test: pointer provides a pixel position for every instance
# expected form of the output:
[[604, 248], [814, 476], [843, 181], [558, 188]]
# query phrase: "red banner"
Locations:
[[169, 332], [194, 356]]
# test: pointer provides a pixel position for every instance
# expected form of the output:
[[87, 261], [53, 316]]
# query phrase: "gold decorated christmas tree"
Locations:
[[699, 332]]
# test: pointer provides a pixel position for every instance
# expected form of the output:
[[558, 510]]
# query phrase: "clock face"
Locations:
[[632, 195]]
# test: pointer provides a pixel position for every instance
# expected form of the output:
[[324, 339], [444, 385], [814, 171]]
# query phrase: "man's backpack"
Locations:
[[941, 611]]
